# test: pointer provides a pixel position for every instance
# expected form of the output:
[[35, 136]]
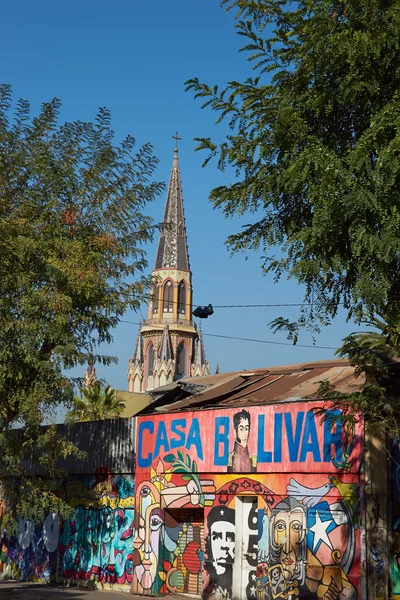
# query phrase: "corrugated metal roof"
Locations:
[[109, 443], [264, 386]]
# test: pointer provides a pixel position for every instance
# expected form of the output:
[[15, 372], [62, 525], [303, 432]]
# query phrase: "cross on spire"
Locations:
[[176, 138]]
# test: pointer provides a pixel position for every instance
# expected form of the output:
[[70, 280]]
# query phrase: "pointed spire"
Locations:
[[172, 250], [90, 374], [166, 346], [200, 354], [217, 369], [138, 355]]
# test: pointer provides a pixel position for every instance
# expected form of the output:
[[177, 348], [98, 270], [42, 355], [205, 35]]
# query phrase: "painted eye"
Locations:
[[280, 526], [155, 523], [145, 491], [296, 526]]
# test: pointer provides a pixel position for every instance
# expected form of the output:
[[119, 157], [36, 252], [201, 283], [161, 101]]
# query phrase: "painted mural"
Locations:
[[271, 530], [395, 553], [31, 555], [97, 542]]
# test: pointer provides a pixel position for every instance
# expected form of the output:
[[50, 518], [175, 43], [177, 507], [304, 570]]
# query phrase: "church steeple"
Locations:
[[172, 252], [166, 348], [138, 355], [169, 335], [200, 365], [136, 365]]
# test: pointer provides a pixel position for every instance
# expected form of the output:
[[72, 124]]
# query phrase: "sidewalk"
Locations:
[[16, 590]]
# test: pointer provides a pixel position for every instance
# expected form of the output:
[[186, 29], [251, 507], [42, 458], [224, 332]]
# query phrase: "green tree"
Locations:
[[72, 230], [374, 355], [372, 352], [97, 402], [314, 144]]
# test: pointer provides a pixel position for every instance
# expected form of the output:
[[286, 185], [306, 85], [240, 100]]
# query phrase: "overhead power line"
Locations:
[[228, 337], [193, 303], [243, 339], [259, 305]]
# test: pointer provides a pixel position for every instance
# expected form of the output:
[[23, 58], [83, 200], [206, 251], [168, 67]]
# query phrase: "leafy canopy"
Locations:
[[96, 402], [72, 230], [315, 146]]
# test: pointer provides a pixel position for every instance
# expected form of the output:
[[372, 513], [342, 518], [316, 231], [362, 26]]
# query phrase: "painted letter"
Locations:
[[144, 461], [221, 437], [278, 437], [310, 439], [332, 438], [193, 438], [161, 440], [262, 455], [177, 442], [294, 440]]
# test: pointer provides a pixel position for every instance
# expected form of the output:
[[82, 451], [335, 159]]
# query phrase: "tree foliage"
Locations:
[[72, 229], [96, 402], [314, 143]]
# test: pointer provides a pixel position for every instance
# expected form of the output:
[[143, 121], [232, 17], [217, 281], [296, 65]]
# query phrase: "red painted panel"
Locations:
[[275, 438]]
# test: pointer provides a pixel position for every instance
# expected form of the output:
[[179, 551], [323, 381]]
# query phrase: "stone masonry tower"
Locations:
[[168, 346]]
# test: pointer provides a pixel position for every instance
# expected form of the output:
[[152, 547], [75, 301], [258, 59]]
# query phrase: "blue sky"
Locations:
[[134, 57]]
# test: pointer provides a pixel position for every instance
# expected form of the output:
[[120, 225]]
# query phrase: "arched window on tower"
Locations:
[[181, 361], [168, 300], [156, 295], [182, 298], [150, 359]]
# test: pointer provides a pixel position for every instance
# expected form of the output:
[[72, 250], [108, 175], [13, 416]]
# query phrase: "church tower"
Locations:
[[168, 346]]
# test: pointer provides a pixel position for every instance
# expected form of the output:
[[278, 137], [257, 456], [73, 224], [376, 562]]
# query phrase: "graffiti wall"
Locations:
[[261, 503], [97, 542], [395, 552], [31, 555]]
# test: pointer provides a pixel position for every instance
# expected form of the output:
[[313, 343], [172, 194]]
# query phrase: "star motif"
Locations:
[[253, 590], [319, 531], [223, 497], [222, 512], [233, 488], [246, 484], [253, 576], [269, 499]]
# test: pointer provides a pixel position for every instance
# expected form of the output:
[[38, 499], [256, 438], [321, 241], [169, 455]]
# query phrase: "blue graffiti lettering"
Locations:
[[263, 455], [144, 461], [221, 438], [310, 439], [177, 442], [194, 439], [294, 440]]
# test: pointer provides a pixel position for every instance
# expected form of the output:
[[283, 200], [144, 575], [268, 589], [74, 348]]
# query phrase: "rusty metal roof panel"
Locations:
[[298, 386], [273, 384]]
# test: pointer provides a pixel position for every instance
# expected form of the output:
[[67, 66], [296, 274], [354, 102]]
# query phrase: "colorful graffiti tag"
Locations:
[[97, 542], [31, 555], [270, 531], [395, 551]]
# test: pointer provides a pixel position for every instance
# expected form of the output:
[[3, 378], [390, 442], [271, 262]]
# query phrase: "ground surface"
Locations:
[[13, 590]]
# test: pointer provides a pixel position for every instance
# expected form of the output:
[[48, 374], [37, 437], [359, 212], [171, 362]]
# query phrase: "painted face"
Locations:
[[288, 534], [242, 432], [222, 545], [275, 575], [147, 537]]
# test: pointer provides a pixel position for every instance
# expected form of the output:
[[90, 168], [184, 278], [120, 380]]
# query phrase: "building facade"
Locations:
[[169, 346], [241, 490], [248, 503]]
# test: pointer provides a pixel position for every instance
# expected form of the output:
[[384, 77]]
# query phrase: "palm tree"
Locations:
[[97, 402], [372, 351]]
